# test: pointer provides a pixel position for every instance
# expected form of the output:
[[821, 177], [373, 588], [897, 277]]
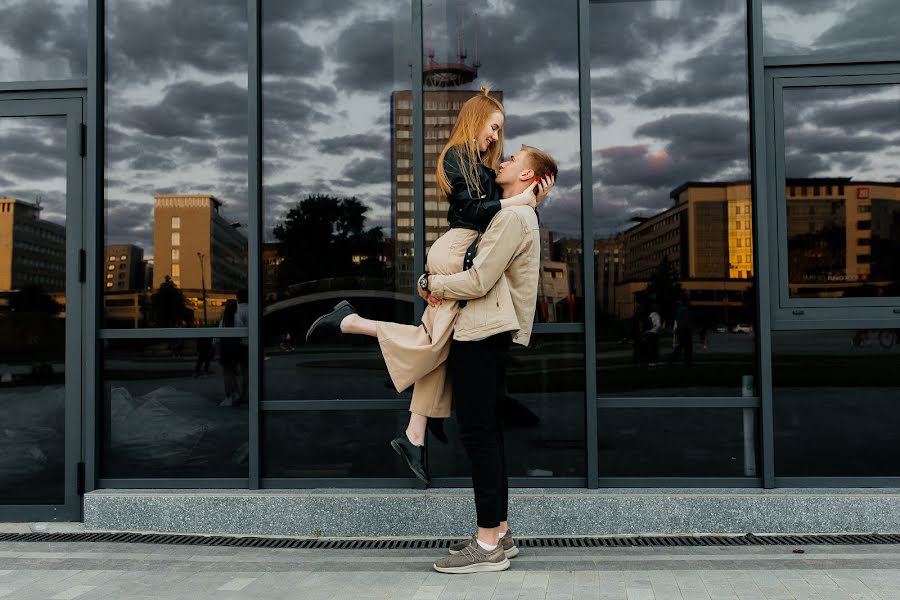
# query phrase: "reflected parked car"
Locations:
[[742, 328]]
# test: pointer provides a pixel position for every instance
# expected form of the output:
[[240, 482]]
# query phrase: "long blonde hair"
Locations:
[[472, 116]]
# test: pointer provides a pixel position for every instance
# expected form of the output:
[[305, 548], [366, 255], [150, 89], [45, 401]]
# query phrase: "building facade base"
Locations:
[[533, 512]]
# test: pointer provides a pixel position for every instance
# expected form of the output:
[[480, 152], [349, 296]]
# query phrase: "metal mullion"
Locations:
[[172, 483], [417, 82], [587, 244], [679, 402], [682, 482], [74, 232], [337, 404], [355, 483], [832, 482], [812, 60], [557, 328], [57, 85], [93, 239], [173, 333], [514, 482], [762, 246], [254, 240]]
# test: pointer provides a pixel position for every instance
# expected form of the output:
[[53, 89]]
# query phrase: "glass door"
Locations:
[[41, 273]]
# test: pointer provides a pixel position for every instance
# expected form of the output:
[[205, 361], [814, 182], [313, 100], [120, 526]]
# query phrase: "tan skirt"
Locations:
[[416, 354]]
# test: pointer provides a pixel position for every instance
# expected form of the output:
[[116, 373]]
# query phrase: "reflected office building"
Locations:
[[32, 250], [842, 242], [199, 251]]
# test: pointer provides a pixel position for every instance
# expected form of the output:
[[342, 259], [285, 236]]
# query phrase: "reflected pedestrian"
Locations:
[[229, 356], [204, 356], [654, 326], [683, 333]]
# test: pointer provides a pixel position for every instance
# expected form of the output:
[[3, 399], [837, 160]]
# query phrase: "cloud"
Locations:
[[871, 115], [285, 53], [279, 11], [49, 38], [698, 146], [367, 171], [193, 109], [360, 141], [815, 141], [373, 55], [153, 162], [33, 167], [522, 125], [147, 41], [705, 78], [129, 223], [804, 165]]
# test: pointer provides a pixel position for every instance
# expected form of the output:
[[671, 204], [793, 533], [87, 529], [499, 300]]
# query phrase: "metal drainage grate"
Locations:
[[557, 542]]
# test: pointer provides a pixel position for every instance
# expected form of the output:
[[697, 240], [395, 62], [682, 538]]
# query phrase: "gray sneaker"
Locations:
[[473, 559], [509, 545]]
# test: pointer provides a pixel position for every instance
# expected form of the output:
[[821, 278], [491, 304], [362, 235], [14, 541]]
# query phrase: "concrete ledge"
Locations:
[[450, 512]]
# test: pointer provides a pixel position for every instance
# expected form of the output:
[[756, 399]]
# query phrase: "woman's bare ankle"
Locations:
[[416, 438], [347, 323]]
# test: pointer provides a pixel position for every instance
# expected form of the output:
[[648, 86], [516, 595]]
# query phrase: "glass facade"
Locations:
[[717, 302]]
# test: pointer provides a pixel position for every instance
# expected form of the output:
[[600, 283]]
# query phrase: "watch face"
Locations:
[[423, 283]]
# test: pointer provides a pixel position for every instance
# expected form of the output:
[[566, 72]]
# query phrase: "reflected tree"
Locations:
[[168, 306], [325, 237], [663, 289], [819, 255]]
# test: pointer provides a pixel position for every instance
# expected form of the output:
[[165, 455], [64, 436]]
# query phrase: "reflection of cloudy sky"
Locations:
[[669, 85], [176, 99], [36, 171], [668, 94]]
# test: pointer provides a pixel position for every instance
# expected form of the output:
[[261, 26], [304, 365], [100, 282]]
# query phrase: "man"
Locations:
[[501, 293]]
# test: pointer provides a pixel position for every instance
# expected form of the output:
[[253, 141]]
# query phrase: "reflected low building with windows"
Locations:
[[32, 251]]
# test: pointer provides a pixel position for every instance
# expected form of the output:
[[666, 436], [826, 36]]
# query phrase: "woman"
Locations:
[[416, 354]]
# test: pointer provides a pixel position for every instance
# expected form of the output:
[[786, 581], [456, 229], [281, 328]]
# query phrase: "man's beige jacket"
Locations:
[[501, 287]]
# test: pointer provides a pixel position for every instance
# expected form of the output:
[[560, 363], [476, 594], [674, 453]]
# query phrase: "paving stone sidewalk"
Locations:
[[83, 571]]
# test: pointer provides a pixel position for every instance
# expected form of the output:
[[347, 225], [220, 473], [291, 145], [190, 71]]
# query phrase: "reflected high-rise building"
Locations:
[[441, 108], [32, 249]]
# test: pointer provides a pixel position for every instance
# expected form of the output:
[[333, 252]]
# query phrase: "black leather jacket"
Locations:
[[466, 211]]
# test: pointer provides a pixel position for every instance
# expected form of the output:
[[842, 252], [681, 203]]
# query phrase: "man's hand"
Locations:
[[431, 300], [544, 186]]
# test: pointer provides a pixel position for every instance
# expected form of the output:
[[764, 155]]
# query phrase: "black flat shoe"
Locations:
[[436, 427], [413, 455], [329, 326]]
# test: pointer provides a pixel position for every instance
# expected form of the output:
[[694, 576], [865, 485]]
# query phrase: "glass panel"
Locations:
[[42, 41], [677, 442], [332, 443], [849, 28], [837, 403], [536, 79], [334, 161], [176, 160], [32, 309], [543, 403], [174, 408], [672, 201], [842, 191]]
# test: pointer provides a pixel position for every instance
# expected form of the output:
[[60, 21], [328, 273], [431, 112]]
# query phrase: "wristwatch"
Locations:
[[423, 281]]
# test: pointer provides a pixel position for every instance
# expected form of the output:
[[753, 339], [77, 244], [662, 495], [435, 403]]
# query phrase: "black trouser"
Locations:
[[476, 370]]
